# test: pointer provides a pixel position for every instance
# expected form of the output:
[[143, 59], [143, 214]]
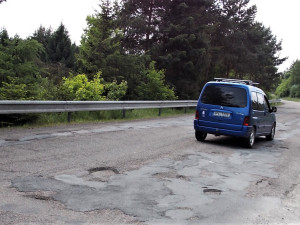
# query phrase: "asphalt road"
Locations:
[[149, 172]]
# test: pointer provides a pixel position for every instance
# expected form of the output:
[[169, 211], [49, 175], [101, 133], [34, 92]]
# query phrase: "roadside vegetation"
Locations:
[[53, 119], [292, 99], [289, 87], [141, 50]]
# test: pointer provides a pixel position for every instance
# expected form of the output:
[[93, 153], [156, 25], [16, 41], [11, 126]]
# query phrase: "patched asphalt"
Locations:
[[165, 191]]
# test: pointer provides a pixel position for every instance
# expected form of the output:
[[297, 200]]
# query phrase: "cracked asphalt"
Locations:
[[149, 172]]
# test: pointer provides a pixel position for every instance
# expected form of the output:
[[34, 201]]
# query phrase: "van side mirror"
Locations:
[[274, 109]]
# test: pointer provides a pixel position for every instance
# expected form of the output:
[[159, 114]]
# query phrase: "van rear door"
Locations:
[[223, 106]]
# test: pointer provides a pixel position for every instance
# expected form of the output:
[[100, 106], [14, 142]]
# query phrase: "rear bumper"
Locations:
[[244, 131]]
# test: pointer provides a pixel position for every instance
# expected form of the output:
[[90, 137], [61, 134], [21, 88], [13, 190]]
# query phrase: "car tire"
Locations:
[[200, 136], [270, 137], [251, 139]]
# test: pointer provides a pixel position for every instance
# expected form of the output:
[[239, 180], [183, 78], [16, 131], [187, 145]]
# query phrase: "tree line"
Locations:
[[142, 50], [290, 82]]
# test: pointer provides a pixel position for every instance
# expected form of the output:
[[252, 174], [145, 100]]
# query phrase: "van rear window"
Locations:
[[224, 96]]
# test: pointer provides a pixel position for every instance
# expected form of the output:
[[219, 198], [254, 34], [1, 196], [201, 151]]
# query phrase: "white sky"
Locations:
[[283, 17], [23, 17]]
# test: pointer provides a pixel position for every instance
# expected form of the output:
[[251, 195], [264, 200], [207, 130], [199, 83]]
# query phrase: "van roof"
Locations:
[[239, 83], [248, 82]]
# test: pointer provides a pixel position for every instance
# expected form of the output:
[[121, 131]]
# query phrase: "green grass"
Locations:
[[51, 119]]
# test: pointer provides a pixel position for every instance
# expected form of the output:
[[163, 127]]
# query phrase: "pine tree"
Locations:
[[183, 49], [58, 56]]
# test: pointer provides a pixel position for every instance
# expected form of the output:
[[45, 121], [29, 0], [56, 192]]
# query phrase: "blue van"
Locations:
[[235, 108]]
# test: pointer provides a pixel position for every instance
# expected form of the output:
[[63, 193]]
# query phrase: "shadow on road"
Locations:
[[238, 143]]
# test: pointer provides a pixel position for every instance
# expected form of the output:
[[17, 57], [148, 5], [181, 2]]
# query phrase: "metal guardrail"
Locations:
[[17, 107], [275, 101]]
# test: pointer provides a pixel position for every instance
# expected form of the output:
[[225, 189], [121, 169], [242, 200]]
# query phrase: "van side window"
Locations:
[[261, 102], [254, 101], [267, 104]]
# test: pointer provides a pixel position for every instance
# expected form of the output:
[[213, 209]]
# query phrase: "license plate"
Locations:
[[221, 114]]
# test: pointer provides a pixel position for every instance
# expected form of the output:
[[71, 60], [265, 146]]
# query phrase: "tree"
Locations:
[[58, 57], [295, 73], [153, 87], [18, 67], [60, 49], [263, 49], [13, 90], [140, 21], [98, 41], [290, 82], [182, 50], [247, 50], [43, 36], [2, 1], [101, 49]]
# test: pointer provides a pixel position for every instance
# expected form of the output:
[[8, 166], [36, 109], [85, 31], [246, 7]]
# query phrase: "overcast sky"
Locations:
[[23, 17]]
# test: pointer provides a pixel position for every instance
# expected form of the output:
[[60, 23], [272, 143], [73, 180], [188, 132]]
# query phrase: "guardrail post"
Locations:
[[69, 117], [159, 111], [124, 113]]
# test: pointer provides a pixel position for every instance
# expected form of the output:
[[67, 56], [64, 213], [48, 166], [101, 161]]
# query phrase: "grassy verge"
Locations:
[[292, 99], [51, 119]]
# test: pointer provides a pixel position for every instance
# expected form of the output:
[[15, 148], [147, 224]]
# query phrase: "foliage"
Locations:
[[153, 87], [58, 56], [19, 71], [13, 90], [101, 49], [197, 40], [99, 41], [116, 91], [80, 88], [283, 89], [184, 50], [141, 21], [295, 91], [192, 42], [290, 83]]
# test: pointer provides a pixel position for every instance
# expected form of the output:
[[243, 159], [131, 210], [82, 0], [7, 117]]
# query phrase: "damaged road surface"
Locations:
[[149, 172]]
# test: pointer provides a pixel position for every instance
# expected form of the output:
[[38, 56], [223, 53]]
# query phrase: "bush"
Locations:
[[295, 91], [153, 87], [283, 90], [80, 88]]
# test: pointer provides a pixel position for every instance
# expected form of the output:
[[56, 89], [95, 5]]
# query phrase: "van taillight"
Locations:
[[246, 121], [197, 115]]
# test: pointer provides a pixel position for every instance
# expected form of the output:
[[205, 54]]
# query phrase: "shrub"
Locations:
[[295, 91]]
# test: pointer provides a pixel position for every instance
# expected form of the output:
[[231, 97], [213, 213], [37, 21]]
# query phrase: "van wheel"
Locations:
[[200, 136], [251, 139], [270, 137]]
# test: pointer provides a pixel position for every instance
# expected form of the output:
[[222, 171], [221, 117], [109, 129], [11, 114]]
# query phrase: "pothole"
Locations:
[[101, 173], [11, 139], [99, 169], [263, 183], [212, 191], [44, 195], [181, 177], [40, 197]]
